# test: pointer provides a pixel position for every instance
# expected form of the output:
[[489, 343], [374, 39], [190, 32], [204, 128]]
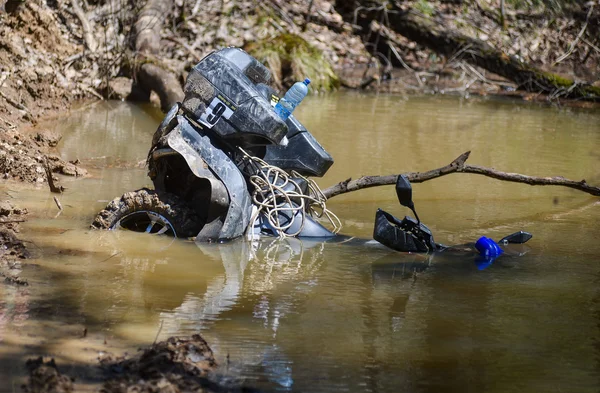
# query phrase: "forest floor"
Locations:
[[50, 60]]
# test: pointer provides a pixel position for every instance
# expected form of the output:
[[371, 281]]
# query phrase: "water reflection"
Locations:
[[272, 282], [251, 270]]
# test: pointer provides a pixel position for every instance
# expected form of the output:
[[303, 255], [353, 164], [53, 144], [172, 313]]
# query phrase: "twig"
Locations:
[[53, 188], [184, 45], [14, 103], [592, 44], [458, 166], [196, 8], [71, 59], [158, 333], [592, 47], [91, 91], [292, 25], [110, 257], [459, 53], [11, 221], [395, 52], [58, 203], [574, 43], [276, 25], [472, 70]]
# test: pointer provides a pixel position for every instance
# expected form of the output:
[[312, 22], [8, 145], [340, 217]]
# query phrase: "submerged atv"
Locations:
[[223, 154], [199, 163]]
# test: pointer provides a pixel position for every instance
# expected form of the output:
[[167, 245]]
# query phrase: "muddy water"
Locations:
[[304, 316]]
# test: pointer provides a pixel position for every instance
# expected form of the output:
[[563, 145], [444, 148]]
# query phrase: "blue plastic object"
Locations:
[[483, 262], [292, 99], [487, 247]]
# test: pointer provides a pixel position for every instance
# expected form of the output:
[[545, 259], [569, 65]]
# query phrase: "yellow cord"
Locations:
[[271, 197]]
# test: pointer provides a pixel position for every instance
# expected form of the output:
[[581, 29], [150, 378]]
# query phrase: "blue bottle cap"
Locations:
[[488, 247], [307, 81]]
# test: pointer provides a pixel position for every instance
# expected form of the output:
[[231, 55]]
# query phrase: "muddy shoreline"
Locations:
[[180, 364]]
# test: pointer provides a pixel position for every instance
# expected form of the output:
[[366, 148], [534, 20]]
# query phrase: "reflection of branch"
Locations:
[[458, 166]]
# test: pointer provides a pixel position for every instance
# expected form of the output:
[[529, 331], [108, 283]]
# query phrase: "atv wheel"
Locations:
[[150, 211]]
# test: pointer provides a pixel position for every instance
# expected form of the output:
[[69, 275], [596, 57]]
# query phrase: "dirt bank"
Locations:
[[33, 48]]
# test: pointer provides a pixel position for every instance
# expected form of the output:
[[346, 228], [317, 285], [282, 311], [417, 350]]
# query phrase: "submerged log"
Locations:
[[430, 33], [459, 165], [151, 76]]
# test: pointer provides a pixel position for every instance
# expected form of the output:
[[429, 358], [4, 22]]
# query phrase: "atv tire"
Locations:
[[150, 211]]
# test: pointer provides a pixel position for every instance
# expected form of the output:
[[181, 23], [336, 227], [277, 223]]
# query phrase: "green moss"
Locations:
[[587, 92], [290, 58], [557, 80], [424, 7]]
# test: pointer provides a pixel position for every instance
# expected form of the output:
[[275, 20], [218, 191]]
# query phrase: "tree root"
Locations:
[[90, 42], [151, 76], [459, 165], [163, 82]]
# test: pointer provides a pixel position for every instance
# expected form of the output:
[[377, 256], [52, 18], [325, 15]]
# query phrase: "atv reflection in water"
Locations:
[[296, 260], [270, 280]]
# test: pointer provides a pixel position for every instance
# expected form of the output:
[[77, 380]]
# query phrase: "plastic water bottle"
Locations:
[[292, 99]]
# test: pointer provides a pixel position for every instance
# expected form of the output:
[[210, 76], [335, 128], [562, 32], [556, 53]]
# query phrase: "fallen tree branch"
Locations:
[[150, 75], [459, 165]]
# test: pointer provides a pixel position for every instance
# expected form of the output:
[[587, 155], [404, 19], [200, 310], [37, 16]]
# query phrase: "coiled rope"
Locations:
[[277, 194]]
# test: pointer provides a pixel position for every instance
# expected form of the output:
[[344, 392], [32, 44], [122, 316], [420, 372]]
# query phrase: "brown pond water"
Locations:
[[302, 316]]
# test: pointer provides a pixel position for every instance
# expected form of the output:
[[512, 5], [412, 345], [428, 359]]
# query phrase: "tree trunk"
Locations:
[[150, 75], [428, 32]]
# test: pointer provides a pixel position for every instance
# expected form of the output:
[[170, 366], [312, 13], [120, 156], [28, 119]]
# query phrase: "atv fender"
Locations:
[[199, 152]]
